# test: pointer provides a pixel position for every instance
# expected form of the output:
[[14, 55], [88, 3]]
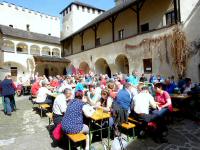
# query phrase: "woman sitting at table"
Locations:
[[163, 100], [105, 104], [72, 122]]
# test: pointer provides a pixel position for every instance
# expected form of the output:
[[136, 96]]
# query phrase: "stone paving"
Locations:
[[26, 130]]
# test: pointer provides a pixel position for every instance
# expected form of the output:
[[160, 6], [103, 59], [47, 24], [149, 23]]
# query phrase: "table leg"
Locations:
[[108, 134]]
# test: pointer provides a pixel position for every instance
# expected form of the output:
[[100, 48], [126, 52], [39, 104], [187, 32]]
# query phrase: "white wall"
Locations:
[[186, 7], [19, 17], [77, 18], [192, 30]]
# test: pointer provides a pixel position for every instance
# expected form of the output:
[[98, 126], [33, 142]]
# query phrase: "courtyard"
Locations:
[[25, 129]]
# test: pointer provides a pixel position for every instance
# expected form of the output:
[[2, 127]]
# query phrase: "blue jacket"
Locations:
[[7, 87], [124, 99]]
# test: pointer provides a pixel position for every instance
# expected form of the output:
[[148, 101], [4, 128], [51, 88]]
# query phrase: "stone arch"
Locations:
[[122, 64], [16, 69], [47, 69], [35, 50], [102, 67], [46, 51], [71, 69], [56, 52], [8, 46], [84, 67], [22, 48]]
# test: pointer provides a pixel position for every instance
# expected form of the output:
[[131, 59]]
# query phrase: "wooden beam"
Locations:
[[138, 16], [71, 45], [179, 11], [175, 11], [112, 21], [141, 4], [94, 28]]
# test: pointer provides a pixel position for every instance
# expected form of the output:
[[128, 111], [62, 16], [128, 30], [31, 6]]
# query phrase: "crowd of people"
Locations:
[[120, 95]]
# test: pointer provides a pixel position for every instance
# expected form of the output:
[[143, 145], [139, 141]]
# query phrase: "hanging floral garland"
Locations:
[[179, 50]]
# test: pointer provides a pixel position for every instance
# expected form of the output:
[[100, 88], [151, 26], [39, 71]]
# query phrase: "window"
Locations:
[[147, 64], [145, 27], [10, 25], [13, 71], [121, 34], [77, 7], [99, 11], [88, 9], [98, 41], [170, 18], [28, 27], [83, 9]]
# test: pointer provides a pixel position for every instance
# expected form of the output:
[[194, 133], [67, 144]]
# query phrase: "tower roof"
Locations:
[[81, 4]]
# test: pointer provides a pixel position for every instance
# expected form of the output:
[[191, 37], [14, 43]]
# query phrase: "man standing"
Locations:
[[8, 91]]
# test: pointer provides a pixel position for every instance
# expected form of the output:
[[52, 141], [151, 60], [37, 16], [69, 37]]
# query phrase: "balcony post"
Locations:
[[138, 17], [175, 11], [71, 45]]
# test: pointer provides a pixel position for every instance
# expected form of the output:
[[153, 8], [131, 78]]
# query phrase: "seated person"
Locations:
[[54, 83], [112, 91], [142, 103], [169, 87], [64, 85], [143, 78], [124, 97], [163, 100], [35, 87], [105, 102], [72, 122], [187, 86], [79, 85], [92, 95], [43, 96], [60, 105]]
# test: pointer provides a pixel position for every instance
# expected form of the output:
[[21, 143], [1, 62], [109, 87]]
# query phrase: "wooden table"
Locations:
[[180, 96], [99, 116]]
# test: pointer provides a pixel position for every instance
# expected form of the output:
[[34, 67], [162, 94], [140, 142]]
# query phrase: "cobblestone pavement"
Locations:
[[25, 130]]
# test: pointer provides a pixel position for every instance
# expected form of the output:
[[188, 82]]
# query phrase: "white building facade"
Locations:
[[76, 15], [137, 35], [29, 20], [29, 43]]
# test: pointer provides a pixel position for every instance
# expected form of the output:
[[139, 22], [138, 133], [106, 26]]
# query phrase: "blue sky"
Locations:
[[53, 7]]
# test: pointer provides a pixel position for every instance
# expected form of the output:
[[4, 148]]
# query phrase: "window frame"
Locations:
[[147, 63]]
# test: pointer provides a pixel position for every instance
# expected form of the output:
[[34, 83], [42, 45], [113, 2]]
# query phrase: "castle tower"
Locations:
[[76, 15], [118, 2]]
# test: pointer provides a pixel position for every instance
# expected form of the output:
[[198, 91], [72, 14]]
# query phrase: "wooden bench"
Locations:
[[43, 107], [176, 110], [79, 137], [50, 116], [131, 119], [129, 126]]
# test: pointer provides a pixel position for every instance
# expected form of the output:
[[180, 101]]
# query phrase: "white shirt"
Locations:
[[142, 102], [42, 94], [64, 86], [60, 105]]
